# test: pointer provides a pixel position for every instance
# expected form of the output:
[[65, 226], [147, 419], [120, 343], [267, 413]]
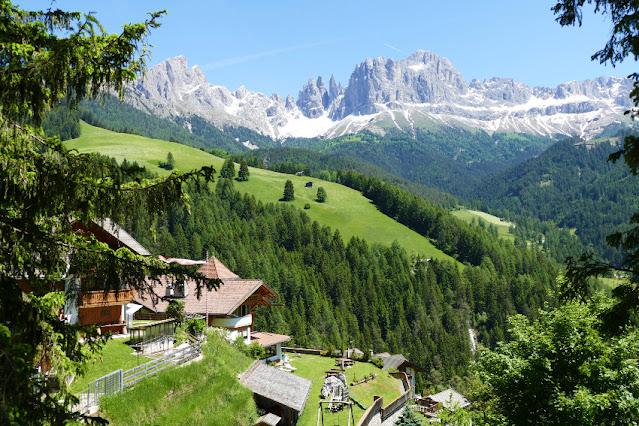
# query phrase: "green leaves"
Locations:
[[561, 369]]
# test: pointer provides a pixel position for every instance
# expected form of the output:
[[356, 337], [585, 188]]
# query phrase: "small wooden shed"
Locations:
[[279, 392]]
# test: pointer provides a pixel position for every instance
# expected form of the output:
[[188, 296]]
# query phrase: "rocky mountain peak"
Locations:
[[422, 88], [313, 99]]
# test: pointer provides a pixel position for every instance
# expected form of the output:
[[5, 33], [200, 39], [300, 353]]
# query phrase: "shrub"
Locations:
[[195, 326], [176, 310], [321, 195], [307, 206]]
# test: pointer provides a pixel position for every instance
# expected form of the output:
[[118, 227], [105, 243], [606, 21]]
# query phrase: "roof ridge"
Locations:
[[250, 370]]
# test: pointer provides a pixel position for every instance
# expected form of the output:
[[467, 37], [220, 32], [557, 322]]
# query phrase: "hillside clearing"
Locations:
[[345, 209], [503, 227]]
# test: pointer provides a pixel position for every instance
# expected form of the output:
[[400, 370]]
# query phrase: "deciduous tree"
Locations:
[[561, 370], [321, 194]]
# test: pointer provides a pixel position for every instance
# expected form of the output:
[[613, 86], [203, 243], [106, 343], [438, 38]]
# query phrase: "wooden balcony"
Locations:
[[88, 299]]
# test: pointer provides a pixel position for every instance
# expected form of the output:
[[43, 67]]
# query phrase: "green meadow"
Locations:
[[345, 209], [503, 227]]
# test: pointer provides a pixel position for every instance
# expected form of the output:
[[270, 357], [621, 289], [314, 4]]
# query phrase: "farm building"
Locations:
[[230, 307], [278, 392]]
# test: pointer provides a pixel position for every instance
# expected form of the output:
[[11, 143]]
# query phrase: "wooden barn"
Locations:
[[278, 392]]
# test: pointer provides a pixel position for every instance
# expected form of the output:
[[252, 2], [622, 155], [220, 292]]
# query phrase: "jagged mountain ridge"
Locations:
[[420, 91]]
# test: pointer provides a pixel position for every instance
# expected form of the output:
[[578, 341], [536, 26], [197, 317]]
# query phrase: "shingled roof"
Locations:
[[232, 293], [279, 386], [397, 361], [113, 234], [450, 395], [216, 269]]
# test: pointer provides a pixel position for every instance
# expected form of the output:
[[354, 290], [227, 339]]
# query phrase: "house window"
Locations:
[[104, 313], [243, 310]]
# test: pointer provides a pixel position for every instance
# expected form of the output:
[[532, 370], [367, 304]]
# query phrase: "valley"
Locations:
[[399, 239]]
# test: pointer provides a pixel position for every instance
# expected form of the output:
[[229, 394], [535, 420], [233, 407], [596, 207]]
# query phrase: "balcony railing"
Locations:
[[88, 299]]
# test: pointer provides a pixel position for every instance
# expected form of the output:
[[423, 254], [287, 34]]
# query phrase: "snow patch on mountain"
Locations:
[[404, 94]]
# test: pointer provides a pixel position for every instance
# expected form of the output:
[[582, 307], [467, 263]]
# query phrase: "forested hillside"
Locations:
[[326, 166], [573, 185], [335, 291], [111, 114], [447, 158]]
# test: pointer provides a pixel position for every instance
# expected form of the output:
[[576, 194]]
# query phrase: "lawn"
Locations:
[[206, 392], [502, 226], [115, 355], [314, 367], [345, 209]]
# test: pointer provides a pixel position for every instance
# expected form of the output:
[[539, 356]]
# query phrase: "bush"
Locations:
[[307, 206], [377, 362], [195, 326], [254, 350], [176, 310], [180, 336]]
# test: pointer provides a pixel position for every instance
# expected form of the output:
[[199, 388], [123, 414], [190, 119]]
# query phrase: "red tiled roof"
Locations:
[[232, 293], [216, 269]]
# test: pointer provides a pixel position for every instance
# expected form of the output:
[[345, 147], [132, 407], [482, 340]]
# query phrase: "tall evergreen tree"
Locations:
[[46, 187], [243, 174], [228, 169], [289, 191]]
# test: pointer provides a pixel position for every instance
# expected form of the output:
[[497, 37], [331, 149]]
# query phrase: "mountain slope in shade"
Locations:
[[422, 91]]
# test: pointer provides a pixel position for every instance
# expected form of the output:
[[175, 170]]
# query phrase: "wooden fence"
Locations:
[[151, 368], [385, 414]]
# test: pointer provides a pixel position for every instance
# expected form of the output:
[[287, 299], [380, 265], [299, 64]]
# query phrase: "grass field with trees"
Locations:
[[346, 209]]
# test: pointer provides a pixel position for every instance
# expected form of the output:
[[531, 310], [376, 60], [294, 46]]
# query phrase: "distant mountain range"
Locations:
[[420, 92]]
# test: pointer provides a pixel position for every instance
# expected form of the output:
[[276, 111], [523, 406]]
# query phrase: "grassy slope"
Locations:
[[201, 393], [314, 368], [502, 227], [345, 209], [115, 355]]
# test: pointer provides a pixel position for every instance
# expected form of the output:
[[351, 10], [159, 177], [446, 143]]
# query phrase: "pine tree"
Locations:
[[228, 169], [46, 187], [289, 191], [243, 174]]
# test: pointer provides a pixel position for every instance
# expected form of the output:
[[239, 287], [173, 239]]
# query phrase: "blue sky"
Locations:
[[275, 46]]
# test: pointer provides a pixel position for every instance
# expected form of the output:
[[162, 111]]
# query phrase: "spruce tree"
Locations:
[[170, 162], [47, 187], [289, 191], [243, 174], [228, 169]]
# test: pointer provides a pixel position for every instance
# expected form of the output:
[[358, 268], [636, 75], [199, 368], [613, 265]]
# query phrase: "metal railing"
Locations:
[[151, 368], [118, 380]]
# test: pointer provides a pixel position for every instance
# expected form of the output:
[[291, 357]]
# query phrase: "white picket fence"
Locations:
[[118, 380]]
